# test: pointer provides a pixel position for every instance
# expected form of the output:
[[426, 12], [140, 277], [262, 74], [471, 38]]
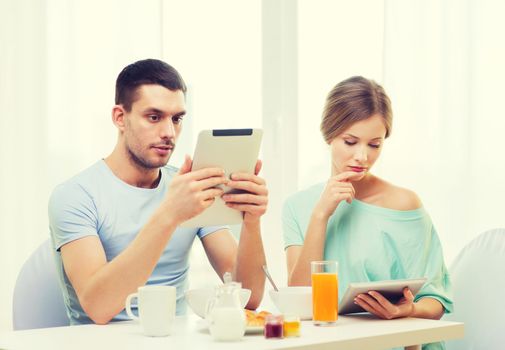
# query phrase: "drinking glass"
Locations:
[[324, 292]]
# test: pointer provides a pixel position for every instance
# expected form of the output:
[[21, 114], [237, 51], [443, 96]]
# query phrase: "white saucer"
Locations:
[[254, 329], [203, 326]]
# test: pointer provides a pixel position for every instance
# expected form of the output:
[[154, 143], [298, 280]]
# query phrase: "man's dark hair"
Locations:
[[149, 71]]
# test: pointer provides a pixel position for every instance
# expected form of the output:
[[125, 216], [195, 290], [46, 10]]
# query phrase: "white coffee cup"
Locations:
[[156, 305]]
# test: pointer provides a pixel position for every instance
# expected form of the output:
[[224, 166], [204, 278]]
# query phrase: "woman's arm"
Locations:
[[337, 189], [428, 308], [299, 257]]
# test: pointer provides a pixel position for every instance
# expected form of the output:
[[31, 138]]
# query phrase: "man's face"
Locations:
[[153, 125]]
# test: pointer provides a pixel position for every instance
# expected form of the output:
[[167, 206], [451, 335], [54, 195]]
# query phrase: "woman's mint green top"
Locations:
[[372, 243]]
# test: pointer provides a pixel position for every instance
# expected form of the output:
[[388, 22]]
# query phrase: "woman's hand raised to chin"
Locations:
[[338, 188]]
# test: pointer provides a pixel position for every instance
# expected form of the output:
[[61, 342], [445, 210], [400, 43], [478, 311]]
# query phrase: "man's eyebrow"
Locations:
[[153, 110], [159, 111], [356, 137]]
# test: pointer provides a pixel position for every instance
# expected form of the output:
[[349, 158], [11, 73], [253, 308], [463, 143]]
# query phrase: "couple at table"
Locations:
[[116, 225]]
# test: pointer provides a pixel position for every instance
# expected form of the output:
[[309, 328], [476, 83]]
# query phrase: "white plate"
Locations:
[[254, 329], [203, 325]]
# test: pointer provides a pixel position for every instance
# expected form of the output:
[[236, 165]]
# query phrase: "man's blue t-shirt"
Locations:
[[97, 203]]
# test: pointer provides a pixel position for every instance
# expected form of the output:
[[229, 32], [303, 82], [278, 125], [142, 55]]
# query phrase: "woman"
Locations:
[[374, 229]]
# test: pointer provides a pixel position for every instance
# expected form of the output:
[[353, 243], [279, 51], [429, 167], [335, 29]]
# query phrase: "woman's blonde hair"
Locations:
[[353, 100]]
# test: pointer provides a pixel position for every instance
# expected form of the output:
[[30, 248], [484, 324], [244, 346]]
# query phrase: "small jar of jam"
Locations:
[[291, 326], [274, 326]]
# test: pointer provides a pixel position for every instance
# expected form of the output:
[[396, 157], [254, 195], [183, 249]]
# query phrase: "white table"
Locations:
[[358, 332]]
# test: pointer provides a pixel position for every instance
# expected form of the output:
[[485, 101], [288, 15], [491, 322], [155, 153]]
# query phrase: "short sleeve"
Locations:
[[204, 231], [438, 285], [290, 226], [72, 214]]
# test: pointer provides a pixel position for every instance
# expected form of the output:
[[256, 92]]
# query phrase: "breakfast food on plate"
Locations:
[[256, 319]]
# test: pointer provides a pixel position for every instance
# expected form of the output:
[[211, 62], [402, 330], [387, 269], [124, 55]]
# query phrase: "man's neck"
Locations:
[[126, 170]]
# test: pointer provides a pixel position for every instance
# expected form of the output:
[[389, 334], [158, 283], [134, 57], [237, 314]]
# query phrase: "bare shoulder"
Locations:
[[400, 198], [404, 199]]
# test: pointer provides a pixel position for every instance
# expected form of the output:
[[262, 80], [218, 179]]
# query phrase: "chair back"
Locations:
[[478, 279], [38, 300]]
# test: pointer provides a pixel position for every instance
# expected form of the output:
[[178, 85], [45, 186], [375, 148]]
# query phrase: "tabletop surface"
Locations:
[[363, 332]]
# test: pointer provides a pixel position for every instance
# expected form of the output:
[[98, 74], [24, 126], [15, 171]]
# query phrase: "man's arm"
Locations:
[[243, 261], [250, 256], [102, 286], [250, 259]]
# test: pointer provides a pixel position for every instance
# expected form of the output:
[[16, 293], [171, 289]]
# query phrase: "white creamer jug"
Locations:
[[225, 314]]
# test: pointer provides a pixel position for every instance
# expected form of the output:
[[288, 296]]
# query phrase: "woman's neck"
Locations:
[[364, 187]]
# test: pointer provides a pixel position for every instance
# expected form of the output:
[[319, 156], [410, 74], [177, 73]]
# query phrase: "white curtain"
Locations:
[[441, 63], [55, 108], [23, 139], [58, 63], [443, 67]]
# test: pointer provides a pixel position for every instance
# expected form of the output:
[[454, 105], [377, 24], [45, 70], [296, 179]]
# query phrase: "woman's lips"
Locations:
[[357, 169]]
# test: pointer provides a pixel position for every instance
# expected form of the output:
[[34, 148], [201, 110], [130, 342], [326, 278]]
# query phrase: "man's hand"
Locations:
[[254, 202], [376, 304], [191, 192]]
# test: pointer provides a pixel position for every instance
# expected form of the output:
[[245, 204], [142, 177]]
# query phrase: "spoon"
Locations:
[[265, 270]]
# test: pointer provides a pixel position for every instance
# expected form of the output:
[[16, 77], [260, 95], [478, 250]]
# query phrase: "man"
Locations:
[[114, 226]]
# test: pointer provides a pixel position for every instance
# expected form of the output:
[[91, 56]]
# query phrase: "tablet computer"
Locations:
[[234, 150], [390, 289]]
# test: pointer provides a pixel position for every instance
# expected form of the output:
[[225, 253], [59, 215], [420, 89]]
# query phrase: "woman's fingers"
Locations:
[[365, 302], [407, 294], [391, 309], [374, 304], [348, 176], [379, 303]]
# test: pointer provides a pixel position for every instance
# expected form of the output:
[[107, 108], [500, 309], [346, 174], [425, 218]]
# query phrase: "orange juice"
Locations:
[[325, 297]]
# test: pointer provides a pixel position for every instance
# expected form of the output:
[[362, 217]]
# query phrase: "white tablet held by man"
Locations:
[[234, 150], [390, 289]]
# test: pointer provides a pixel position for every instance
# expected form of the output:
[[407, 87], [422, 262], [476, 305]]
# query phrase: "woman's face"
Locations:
[[358, 147]]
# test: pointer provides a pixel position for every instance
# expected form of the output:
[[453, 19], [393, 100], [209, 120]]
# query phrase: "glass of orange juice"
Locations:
[[324, 292]]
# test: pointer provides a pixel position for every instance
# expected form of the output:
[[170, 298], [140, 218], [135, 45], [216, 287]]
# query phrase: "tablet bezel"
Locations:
[[234, 150], [391, 289]]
